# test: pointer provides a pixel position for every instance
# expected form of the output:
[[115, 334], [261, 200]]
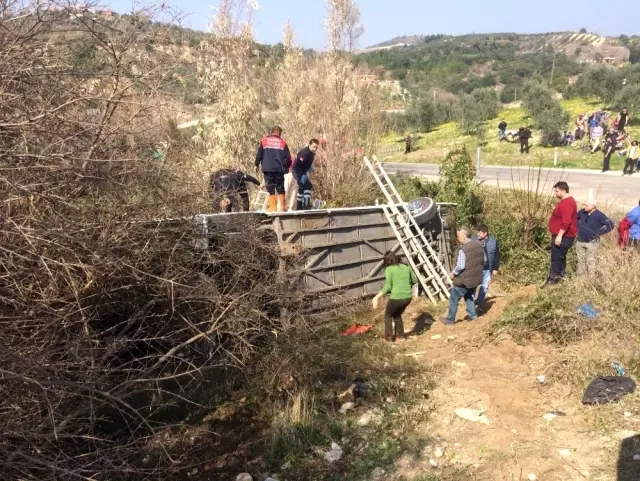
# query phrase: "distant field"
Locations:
[[431, 147]]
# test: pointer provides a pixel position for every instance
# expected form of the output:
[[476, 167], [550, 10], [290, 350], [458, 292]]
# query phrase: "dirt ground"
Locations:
[[498, 377]]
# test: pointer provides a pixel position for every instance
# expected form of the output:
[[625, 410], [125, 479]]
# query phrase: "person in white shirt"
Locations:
[[596, 134]]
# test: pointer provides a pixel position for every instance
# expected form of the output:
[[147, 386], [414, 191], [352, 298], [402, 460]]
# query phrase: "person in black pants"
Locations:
[[399, 280], [609, 147], [274, 157], [563, 226], [407, 143], [301, 169], [524, 134], [623, 118], [225, 184]]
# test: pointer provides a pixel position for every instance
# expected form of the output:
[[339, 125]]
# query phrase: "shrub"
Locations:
[[478, 107], [551, 123], [629, 97], [457, 172]]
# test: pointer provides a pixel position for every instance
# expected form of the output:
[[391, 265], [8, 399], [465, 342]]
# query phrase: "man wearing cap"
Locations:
[[592, 224]]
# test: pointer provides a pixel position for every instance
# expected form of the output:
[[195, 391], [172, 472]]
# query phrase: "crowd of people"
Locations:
[[521, 136], [609, 135], [477, 261], [275, 161], [602, 131], [478, 258]]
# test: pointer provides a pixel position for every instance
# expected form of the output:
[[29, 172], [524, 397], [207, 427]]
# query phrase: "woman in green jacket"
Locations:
[[399, 279]]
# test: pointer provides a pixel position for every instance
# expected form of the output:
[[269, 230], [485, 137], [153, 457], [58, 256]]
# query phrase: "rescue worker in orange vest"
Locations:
[[275, 158]]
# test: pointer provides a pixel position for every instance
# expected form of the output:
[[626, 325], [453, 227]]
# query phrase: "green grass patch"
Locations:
[[431, 147], [295, 388]]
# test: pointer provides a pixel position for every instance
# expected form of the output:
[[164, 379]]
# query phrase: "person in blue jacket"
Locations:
[[634, 231], [491, 261], [302, 167]]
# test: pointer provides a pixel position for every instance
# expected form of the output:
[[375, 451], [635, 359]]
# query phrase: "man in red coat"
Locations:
[[563, 226]]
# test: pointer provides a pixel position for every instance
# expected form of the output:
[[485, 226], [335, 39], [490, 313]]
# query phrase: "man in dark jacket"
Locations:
[[610, 142], [466, 275], [524, 134], [407, 143], [623, 119], [301, 169], [273, 154], [592, 224], [491, 261], [225, 184]]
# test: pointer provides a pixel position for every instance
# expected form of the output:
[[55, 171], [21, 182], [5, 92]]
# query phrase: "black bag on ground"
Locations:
[[606, 389]]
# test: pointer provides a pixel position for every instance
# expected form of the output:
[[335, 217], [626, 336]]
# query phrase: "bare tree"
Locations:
[[109, 317], [343, 25]]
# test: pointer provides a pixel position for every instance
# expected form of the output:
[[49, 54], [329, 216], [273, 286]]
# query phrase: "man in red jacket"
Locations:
[[563, 226]]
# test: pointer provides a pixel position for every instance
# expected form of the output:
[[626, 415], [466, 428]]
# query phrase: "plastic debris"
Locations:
[[471, 415], [627, 414], [541, 378], [565, 453], [377, 473], [618, 367], [370, 417], [438, 452], [532, 477], [587, 310], [636, 457], [348, 406], [334, 454], [458, 364], [244, 477], [549, 417], [357, 329], [433, 463], [605, 389], [435, 337]]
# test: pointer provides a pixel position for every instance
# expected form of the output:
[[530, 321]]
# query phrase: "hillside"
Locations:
[[580, 47], [432, 146], [460, 64]]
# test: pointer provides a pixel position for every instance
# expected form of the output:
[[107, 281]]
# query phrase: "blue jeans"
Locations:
[[457, 293], [484, 287]]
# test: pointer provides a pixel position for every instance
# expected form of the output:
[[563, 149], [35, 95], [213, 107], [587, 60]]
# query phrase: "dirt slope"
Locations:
[[499, 378]]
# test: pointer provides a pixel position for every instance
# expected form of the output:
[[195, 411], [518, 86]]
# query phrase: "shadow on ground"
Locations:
[[629, 469], [423, 323]]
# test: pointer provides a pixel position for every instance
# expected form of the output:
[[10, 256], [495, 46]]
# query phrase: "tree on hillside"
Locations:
[[422, 115], [478, 107], [602, 82], [537, 97], [552, 122], [548, 115], [629, 97]]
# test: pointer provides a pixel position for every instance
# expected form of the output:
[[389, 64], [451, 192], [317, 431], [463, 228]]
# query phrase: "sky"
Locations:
[[385, 19]]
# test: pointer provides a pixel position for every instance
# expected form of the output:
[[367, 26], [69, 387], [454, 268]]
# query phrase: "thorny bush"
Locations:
[[109, 318]]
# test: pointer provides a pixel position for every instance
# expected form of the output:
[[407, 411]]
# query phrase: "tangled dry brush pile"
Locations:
[[108, 318]]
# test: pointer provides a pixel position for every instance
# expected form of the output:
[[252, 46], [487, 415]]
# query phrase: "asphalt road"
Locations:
[[611, 189]]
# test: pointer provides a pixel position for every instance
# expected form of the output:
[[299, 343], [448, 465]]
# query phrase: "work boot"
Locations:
[[282, 200], [272, 206]]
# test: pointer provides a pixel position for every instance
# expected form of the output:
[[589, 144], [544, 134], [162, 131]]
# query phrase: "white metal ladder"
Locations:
[[424, 261]]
